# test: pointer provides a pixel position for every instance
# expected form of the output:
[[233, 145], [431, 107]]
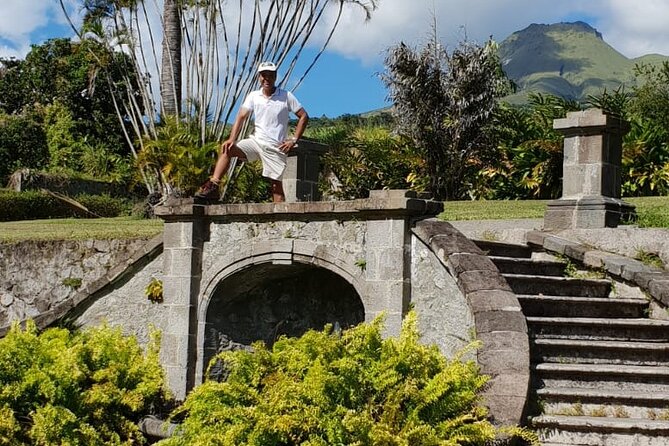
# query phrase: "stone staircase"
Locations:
[[599, 365]]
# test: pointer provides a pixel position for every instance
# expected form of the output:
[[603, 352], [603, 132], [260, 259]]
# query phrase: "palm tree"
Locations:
[[170, 73]]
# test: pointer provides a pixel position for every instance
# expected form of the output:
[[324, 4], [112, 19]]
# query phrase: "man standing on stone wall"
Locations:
[[271, 107]]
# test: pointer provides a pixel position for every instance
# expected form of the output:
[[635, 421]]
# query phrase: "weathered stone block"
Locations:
[[490, 300], [500, 321], [460, 262], [504, 340], [514, 360], [470, 281], [659, 289]]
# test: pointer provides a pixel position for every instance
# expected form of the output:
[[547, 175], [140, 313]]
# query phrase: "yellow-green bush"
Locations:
[[86, 388], [326, 388]]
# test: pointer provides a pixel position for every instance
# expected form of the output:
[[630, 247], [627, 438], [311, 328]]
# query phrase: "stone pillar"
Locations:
[[300, 180], [388, 257], [591, 180], [183, 240]]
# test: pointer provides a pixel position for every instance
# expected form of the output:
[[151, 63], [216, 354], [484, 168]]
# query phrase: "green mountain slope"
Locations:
[[571, 60]]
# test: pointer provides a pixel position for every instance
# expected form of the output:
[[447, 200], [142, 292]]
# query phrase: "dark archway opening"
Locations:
[[266, 301]]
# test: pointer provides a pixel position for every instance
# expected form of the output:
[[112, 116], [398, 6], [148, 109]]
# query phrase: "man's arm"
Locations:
[[242, 116], [301, 123], [303, 120]]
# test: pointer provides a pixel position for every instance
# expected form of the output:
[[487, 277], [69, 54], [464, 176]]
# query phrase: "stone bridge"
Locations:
[[233, 274]]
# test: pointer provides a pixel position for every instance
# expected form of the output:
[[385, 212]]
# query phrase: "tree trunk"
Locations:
[[170, 73]]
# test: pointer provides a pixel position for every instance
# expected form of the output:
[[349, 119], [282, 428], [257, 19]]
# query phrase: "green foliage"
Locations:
[[530, 152], [444, 103], [72, 282], [249, 186], [66, 86], [179, 155], [154, 290], [88, 388], [350, 388], [22, 144], [34, 205], [368, 158]]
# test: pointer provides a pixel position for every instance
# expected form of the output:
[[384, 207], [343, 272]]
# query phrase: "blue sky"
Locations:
[[346, 80]]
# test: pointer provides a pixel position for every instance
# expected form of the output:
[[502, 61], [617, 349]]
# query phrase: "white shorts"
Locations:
[[273, 159]]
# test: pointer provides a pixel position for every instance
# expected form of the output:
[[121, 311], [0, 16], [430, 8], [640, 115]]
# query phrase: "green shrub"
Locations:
[[22, 144], [88, 388], [326, 388], [369, 158], [248, 186], [35, 205]]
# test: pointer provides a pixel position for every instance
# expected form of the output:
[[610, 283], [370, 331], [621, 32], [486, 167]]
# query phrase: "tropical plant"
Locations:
[[330, 388], [444, 103], [645, 161], [86, 388], [22, 144], [368, 158], [178, 155], [530, 152], [220, 45]]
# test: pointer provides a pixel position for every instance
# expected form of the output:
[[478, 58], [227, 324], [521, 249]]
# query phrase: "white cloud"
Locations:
[[634, 28], [637, 28]]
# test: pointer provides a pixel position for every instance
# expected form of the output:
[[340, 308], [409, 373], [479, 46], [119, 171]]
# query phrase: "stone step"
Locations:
[[558, 286], [617, 404], [510, 265], [500, 249], [603, 329], [571, 351], [574, 306], [605, 377], [596, 431]]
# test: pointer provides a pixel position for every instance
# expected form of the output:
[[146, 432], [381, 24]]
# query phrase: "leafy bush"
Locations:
[[327, 388], [22, 144], [248, 186], [88, 388], [35, 205], [178, 158], [368, 158]]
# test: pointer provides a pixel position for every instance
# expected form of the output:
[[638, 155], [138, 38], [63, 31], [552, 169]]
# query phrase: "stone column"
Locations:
[[591, 181], [388, 257], [300, 180], [183, 239]]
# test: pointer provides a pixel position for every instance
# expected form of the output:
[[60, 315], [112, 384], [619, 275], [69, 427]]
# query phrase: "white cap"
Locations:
[[266, 66]]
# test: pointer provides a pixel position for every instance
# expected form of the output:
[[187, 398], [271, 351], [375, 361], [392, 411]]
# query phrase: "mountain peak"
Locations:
[[568, 59], [578, 26]]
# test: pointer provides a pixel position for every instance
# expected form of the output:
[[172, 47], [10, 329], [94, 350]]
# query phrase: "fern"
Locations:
[[87, 388], [353, 388]]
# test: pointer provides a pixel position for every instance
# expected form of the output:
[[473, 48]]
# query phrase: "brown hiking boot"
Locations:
[[208, 191]]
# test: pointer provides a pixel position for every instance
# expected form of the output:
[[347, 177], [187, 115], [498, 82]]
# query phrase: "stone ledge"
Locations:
[[496, 311], [394, 202], [654, 281]]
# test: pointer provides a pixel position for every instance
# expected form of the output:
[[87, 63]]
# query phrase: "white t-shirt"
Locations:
[[271, 114]]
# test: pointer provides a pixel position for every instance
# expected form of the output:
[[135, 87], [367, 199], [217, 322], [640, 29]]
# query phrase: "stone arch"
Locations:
[[247, 270]]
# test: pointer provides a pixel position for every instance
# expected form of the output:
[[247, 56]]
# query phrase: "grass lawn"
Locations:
[[79, 229], [652, 212]]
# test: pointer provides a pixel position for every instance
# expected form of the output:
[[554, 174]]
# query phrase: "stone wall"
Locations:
[[39, 276]]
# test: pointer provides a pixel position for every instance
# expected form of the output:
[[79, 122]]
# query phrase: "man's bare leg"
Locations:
[[223, 162], [277, 191]]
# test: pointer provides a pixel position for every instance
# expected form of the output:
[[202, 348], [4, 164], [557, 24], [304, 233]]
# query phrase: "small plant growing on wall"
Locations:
[[72, 282], [362, 264], [154, 290]]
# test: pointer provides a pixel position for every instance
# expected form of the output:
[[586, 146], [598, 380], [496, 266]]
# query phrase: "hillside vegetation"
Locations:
[[570, 60]]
